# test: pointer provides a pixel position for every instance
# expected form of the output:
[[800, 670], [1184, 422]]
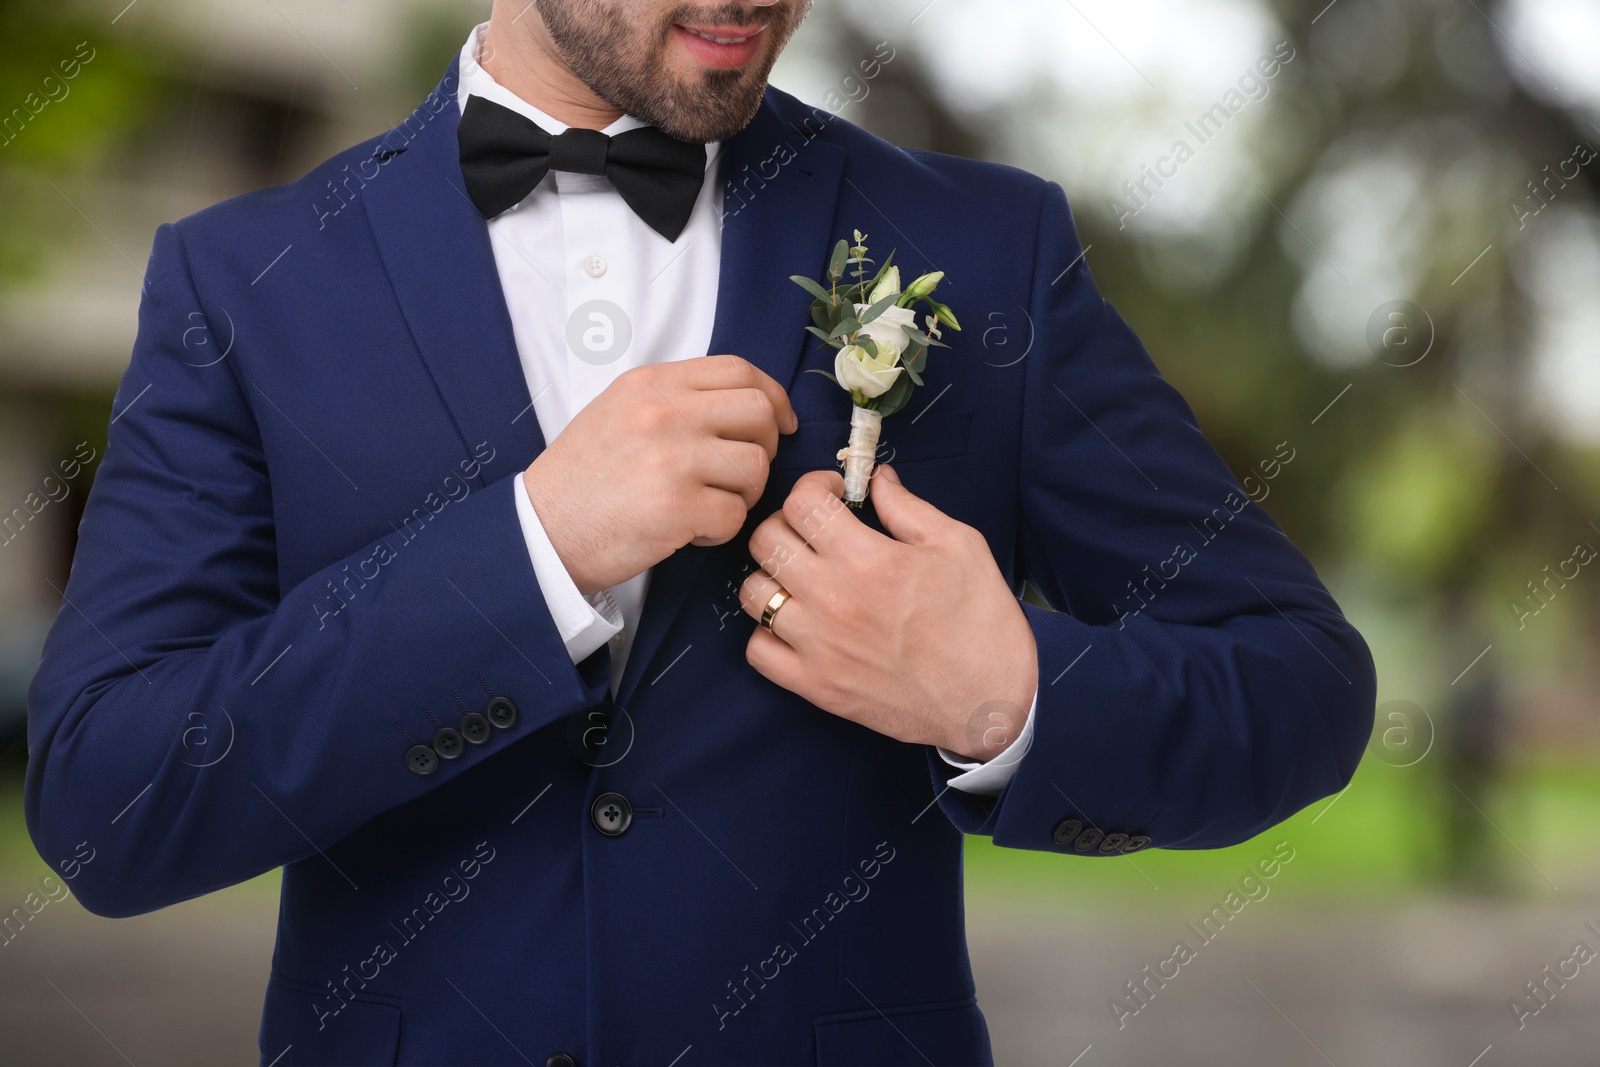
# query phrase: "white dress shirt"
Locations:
[[625, 296]]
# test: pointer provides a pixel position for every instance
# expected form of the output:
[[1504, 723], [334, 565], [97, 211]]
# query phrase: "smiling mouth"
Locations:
[[724, 35]]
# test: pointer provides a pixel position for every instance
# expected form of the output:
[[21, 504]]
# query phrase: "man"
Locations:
[[445, 483]]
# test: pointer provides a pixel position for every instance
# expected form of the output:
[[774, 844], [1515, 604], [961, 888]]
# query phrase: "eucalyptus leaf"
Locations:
[[878, 277], [878, 309], [911, 372], [825, 374], [894, 398], [830, 342], [845, 328], [811, 287], [841, 255]]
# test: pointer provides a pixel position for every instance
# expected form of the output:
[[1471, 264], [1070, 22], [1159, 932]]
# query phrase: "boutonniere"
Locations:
[[872, 323]]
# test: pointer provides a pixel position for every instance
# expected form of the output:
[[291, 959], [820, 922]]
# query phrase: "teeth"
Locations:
[[720, 40]]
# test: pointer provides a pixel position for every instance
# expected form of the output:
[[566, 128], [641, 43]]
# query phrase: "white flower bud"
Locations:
[[889, 286], [925, 285]]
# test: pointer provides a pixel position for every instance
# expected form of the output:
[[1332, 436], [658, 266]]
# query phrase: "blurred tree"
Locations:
[[1432, 481], [69, 93]]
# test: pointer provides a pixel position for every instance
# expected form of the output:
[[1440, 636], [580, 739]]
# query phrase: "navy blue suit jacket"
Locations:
[[301, 559]]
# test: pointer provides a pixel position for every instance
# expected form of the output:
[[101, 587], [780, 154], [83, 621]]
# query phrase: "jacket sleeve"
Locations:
[[188, 726], [1197, 682]]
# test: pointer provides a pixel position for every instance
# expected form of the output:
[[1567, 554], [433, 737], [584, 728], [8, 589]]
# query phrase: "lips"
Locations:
[[724, 34], [723, 47]]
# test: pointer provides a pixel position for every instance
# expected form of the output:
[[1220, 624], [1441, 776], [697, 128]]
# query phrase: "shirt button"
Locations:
[[594, 266], [617, 639]]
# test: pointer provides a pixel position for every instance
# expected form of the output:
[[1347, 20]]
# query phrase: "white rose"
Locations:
[[885, 330], [860, 372]]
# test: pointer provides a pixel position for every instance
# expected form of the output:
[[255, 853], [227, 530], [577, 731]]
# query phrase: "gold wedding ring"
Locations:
[[772, 607]]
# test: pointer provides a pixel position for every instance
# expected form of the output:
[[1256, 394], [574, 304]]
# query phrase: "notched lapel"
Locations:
[[780, 191], [435, 248], [780, 194]]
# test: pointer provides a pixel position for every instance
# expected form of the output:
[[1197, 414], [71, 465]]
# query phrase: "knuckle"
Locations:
[[736, 366], [729, 518], [757, 465], [971, 539], [796, 509], [760, 548], [754, 654], [653, 414], [760, 406]]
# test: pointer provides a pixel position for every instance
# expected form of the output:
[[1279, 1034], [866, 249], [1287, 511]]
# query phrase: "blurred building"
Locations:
[[243, 95]]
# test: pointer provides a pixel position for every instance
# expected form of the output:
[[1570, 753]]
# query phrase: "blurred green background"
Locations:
[[1382, 258]]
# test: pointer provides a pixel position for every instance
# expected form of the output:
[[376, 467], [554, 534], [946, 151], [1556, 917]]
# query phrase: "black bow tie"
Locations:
[[504, 155]]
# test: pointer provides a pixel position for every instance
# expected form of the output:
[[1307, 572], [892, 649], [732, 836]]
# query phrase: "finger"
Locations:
[[735, 466], [781, 552], [788, 623], [736, 372], [718, 516], [737, 415], [907, 517], [776, 660], [816, 511]]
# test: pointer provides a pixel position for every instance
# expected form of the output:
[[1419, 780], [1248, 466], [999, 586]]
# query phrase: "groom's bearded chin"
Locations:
[[620, 50]]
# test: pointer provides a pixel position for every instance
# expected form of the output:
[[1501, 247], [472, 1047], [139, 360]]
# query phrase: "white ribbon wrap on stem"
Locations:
[[858, 456]]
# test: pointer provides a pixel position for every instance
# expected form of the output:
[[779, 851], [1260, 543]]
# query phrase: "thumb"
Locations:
[[907, 517]]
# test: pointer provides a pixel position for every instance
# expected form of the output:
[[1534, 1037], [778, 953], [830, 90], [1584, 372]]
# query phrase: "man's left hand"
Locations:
[[916, 635]]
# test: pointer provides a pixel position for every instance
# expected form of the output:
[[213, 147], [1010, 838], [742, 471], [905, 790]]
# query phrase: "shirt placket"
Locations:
[[601, 327]]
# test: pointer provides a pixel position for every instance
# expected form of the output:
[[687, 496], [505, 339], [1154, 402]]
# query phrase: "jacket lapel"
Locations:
[[435, 247], [780, 190]]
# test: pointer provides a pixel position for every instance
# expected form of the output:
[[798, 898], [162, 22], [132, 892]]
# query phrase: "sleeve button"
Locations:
[[502, 711], [1066, 831], [475, 728], [422, 760], [448, 743], [1113, 844]]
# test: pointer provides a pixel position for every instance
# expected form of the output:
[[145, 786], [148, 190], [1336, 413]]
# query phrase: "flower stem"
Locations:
[[860, 454]]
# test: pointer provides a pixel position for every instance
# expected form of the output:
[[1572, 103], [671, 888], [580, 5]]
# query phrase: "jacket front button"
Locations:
[[448, 743], [611, 813], [502, 712], [560, 1059], [475, 728], [422, 760]]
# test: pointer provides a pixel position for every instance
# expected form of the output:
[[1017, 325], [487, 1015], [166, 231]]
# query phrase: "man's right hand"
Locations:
[[669, 454]]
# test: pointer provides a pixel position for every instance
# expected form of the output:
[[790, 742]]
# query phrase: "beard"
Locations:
[[621, 54]]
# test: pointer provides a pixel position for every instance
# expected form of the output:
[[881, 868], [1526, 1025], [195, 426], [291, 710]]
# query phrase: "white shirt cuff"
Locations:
[[990, 778], [578, 618]]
